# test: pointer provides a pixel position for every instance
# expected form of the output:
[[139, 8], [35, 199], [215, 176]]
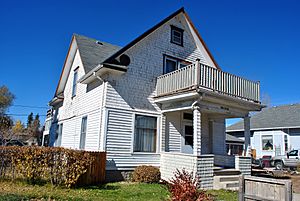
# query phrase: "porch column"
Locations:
[[197, 131], [247, 134]]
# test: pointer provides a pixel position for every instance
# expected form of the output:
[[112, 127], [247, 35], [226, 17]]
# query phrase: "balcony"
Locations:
[[201, 76]]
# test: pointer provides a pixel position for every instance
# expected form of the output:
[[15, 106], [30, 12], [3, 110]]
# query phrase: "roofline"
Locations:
[[258, 129], [149, 31], [201, 39], [139, 38], [68, 54]]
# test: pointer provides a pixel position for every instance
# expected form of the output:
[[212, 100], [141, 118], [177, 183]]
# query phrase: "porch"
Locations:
[[194, 138]]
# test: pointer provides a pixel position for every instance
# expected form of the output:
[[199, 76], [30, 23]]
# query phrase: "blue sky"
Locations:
[[258, 40]]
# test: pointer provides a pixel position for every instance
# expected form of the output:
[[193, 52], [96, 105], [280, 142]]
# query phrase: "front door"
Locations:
[[187, 138]]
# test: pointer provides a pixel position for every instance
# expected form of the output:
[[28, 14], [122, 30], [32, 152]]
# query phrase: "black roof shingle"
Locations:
[[285, 116], [93, 52]]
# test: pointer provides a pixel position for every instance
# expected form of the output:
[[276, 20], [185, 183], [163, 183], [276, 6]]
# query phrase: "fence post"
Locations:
[[241, 188]]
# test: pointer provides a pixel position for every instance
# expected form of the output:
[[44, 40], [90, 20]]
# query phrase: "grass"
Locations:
[[18, 190]]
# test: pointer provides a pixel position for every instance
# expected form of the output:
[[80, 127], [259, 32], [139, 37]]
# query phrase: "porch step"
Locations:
[[228, 182], [221, 172]]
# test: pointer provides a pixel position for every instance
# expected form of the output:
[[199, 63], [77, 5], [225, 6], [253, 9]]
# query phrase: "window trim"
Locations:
[[273, 148], [177, 60], [74, 89], [181, 31], [157, 134], [59, 131], [80, 138]]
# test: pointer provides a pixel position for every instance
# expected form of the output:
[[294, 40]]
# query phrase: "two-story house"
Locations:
[[161, 100]]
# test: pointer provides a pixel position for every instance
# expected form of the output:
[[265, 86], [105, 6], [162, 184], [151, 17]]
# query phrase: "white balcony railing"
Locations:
[[203, 76]]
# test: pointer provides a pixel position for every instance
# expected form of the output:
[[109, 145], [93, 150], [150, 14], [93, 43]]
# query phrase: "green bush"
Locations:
[[59, 165], [146, 174]]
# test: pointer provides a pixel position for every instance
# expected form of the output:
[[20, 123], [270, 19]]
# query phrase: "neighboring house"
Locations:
[[234, 145], [274, 130], [161, 100], [47, 126]]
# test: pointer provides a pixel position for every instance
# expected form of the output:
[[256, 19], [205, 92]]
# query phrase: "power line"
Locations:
[[22, 114], [30, 106]]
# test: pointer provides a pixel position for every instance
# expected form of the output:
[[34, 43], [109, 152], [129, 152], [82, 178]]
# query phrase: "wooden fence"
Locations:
[[267, 189], [96, 173]]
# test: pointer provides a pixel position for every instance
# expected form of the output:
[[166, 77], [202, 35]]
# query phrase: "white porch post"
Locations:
[[247, 134], [197, 131]]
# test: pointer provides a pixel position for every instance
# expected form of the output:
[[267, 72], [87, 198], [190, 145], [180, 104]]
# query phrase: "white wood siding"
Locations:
[[85, 103], [119, 143], [173, 122]]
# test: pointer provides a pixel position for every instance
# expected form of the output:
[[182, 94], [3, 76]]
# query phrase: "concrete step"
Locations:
[[228, 182]]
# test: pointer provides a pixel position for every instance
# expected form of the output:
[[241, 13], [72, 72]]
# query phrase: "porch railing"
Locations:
[[201, 75]]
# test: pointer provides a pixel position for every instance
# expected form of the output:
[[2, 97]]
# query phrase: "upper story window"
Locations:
[[74, 86], [176, 35], [172, 64]]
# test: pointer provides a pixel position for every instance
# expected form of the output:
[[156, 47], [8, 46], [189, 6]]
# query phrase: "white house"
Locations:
[[161, 100], [274, 130]]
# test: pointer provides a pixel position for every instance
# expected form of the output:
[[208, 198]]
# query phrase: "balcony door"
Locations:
[[187, 138]]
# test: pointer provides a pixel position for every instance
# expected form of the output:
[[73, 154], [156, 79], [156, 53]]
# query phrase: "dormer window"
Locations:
[[176, 35]]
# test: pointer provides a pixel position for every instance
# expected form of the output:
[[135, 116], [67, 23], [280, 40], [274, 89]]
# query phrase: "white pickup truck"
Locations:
[[290, 160]]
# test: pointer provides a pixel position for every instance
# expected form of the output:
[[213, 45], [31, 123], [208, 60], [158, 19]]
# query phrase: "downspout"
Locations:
[[101, 108]]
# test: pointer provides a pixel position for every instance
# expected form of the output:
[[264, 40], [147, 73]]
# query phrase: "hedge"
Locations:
[[58, 165]]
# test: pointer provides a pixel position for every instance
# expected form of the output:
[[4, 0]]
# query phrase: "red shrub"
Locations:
[[184, 187]]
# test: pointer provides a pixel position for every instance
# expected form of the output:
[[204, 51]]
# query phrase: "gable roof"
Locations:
[[285, 116], [148, 32], [93, 52], [230, 138]]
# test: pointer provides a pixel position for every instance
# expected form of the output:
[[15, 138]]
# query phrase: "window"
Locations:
[[176, 35], [188, 116], [83, 133], [286, 142], [74, 87], [267, 142], [145, 134], [59, 135], [293, 153], [172, 64]]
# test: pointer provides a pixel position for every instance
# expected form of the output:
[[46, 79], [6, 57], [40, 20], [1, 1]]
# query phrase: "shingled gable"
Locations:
[[138, 39], [113, 57], [279, 117], [91, 51]]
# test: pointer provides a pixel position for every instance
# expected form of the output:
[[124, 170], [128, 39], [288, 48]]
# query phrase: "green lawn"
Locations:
[[112, 191]]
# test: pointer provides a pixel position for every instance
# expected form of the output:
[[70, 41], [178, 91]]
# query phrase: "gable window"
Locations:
[[74, 86], [176, 35], [171, 64], [145, 134], [59, 135], [83, 133]]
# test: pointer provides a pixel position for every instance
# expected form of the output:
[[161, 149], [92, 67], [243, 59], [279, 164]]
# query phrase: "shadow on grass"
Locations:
[[14, 197], [99, 187]]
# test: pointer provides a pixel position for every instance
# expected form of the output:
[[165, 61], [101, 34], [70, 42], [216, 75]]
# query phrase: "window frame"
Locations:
[[178, 30], [177, 60], [59, 131], [81, 140], [262, 146], [74, 84], [156, 134]]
